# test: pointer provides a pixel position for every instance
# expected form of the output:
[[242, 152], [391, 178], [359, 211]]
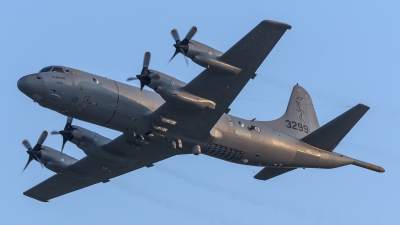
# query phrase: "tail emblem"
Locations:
[[300, 110]]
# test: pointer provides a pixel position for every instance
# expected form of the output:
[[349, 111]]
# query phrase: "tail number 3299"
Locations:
[[297, 126]]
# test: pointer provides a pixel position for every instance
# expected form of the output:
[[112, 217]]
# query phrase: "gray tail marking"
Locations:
[[299, 119]]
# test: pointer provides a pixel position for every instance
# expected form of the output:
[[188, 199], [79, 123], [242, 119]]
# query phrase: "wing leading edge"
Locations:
[[222, 87]]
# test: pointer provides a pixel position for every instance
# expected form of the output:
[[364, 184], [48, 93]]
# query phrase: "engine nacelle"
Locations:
[[82, 136], [197, 48], [58, 162], [182, 99], [170, 89], [160, 79], [212, 63], [93, 145], [207, 57]]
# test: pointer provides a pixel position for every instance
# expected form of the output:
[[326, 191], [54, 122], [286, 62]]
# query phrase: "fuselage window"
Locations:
[[46, 69], [57, 69]]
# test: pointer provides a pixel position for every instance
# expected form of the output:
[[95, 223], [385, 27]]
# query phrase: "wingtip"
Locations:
[[27, 194], [363, 105], [274, 22]]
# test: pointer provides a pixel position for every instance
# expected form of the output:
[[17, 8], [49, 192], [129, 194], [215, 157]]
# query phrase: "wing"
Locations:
[[97, 172], [223, 87], [271, 172]]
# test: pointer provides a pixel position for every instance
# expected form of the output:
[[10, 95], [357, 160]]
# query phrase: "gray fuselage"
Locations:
[[122, 107]]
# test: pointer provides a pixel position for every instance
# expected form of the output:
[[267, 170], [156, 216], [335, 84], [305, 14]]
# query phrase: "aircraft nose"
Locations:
[[32, 86]]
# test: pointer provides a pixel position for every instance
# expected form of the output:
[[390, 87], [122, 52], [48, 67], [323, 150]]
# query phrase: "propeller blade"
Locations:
[[141, 86], [63, 144], [175, 35], [66, 135], [68, 124], [176, 52], [54, 132], [26, 144], [143, 77], [36, 155], [183, 53], [190, 35], [181, 45], [29, 161], [146, 60], [42, 138]]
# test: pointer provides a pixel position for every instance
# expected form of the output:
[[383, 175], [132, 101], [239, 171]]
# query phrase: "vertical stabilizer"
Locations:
[[299, 119]]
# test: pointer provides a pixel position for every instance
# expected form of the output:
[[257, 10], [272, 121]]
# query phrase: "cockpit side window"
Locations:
[[57, 69], [46, 69]]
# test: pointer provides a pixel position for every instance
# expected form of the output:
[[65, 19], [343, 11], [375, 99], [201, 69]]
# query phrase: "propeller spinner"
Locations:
[[66, 133], [144, 76], [34, 153], [182, 46]]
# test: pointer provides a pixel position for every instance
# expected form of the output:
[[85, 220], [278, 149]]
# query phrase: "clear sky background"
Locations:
[[342, 52]]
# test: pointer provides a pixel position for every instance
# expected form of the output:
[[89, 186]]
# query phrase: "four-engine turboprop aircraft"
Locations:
[[179, 118]]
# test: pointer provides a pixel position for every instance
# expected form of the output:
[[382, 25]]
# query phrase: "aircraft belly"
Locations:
[[272, 148], [264, 148]]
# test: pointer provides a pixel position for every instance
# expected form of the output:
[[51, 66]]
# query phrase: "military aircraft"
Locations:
[[179, 118]]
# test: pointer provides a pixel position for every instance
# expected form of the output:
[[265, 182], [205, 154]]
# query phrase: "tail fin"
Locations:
[[328, 136], [299, 119]]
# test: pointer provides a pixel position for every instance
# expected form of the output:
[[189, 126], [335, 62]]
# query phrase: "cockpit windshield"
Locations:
[[46, 69], [57, 69], [52, 69]]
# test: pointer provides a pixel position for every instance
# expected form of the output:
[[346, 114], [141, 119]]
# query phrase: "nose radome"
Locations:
[[32, 86], [23, 84]]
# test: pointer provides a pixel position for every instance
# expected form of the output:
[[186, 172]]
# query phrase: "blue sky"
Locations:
[[342, 52]]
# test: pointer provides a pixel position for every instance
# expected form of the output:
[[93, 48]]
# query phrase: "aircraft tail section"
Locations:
[[328, 136], [299, 119]]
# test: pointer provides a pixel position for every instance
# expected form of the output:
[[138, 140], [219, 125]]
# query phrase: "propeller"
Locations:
[[34, 153], [144, 76], [66, 133], [182, 46]]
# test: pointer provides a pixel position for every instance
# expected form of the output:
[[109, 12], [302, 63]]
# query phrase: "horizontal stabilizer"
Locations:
[[271, 172], [328, 136]]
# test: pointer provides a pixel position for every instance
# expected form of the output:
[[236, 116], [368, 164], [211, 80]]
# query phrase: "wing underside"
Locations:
[[223, 87], [97, 172], [58, 185]]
